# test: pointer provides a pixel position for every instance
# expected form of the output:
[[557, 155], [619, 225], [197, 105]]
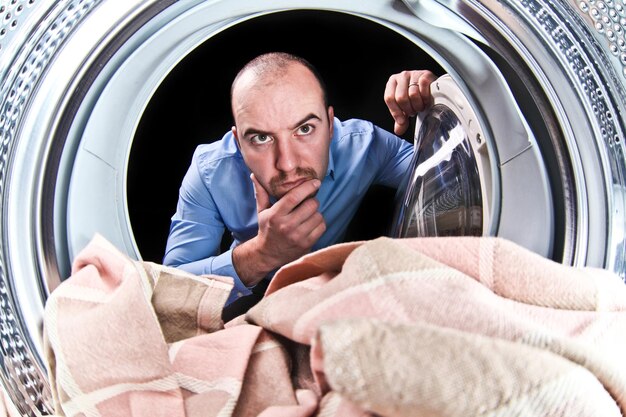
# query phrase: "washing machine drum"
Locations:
[[525, 139]]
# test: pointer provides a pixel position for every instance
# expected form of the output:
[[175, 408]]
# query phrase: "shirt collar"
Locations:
[[330, 171]]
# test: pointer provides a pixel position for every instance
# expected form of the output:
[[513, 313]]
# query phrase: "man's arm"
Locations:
[[406, 94], [196, 229], [194, 240], [287, 230]]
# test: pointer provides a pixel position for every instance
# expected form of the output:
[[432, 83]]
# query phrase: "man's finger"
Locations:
[[399, 129], [402, 94], [297, 195], [316, 232], [415, 97], [262, 198], [304, 211], [420, 91], [401, 121]]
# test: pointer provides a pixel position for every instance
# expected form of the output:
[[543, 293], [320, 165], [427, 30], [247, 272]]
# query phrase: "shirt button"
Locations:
[[239, 294]]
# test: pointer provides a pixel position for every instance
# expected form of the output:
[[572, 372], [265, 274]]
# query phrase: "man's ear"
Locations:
[[234, 130], [331, 121]]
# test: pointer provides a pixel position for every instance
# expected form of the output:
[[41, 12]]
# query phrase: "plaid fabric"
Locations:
[[411, 327]]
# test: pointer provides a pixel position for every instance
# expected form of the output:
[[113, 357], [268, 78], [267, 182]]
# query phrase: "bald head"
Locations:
[[267, 69]]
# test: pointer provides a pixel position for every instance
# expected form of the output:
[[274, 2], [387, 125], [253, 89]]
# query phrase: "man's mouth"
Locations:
[[281, 184], [294, 183]]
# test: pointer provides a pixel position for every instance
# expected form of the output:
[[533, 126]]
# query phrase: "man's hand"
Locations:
[[406, 94], [287, 230]]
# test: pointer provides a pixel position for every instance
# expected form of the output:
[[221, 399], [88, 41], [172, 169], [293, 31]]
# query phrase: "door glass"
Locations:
[[442, 196]]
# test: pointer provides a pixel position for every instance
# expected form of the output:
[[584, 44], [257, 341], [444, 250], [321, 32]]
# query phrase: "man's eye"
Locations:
[[305, 129], [260, 139]]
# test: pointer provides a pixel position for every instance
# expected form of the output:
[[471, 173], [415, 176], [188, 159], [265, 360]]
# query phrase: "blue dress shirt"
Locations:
[[217, 195]]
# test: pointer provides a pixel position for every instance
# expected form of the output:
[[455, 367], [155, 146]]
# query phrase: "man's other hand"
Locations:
[[406, 94]]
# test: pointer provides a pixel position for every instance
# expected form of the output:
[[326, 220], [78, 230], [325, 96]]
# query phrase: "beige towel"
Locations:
[[436, 304]]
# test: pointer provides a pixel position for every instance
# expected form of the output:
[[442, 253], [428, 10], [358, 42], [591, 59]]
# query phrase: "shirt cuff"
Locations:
[[223, 265]]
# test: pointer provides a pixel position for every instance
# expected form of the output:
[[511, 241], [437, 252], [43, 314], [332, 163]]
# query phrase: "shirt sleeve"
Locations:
[[393, 156], [196, 232]]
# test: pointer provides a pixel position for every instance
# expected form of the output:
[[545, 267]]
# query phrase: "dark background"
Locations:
[[192, 106]]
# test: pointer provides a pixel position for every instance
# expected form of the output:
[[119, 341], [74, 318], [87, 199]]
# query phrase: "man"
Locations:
[[288, 178]]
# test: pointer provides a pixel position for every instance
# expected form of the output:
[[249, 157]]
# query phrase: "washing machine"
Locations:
[[103, 101]]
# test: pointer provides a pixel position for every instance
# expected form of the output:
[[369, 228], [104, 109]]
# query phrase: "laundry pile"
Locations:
[[389, 327]]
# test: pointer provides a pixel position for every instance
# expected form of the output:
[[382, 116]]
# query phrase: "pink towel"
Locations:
[[419, 327], [128, 338]]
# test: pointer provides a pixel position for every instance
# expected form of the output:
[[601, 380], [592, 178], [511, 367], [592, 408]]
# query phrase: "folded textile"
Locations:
[[389, 327], [118, 343]]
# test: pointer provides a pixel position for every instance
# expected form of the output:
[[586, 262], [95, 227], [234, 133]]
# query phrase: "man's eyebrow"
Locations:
[[306, 119], [254, 131]]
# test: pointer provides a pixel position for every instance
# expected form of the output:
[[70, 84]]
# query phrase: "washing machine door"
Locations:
[[455, 184]]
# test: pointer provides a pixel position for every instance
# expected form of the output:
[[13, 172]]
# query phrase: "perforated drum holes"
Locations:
[[609, 19], [11, 14]]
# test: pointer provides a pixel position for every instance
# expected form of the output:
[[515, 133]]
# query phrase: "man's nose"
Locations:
[[286, 155]]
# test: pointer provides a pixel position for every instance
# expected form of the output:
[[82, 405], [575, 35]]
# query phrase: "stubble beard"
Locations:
[[307, 173]]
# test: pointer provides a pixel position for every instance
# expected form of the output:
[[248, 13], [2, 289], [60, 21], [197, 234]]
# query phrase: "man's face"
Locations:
[[283, 128]]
